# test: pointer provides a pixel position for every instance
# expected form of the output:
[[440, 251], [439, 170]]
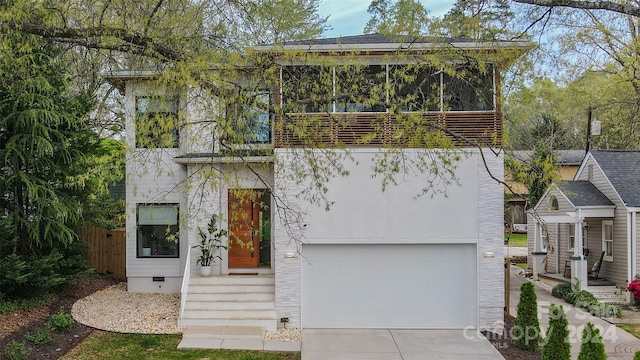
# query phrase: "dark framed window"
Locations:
[[361, 88], [157, 231], [250, 119], [157, 122], [415, 87], [307, 89], [468, 88]]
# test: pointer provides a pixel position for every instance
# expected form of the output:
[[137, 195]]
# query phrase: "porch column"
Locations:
[[578, 261], [538, 255]]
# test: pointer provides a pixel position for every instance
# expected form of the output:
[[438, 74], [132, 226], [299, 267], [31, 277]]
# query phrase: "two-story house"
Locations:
[[342, 117]]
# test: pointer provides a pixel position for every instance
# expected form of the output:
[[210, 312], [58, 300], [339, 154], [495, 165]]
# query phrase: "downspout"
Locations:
[[634, 245]]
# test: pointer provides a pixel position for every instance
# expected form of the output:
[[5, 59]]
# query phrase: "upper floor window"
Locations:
[[157, 122], [553, 203], [307, 89], [249, 118], [360, 88], [468, 88], [415, 87], [377, 88]]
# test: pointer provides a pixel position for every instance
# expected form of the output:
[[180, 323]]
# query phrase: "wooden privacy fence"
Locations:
[[106, 250]]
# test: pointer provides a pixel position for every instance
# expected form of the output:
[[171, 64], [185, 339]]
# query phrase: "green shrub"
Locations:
[[24, 277], [40, 336], [592, 347], [16, 350], [62, 321], [605, 310], [557, 345], [582, 299], [637, 355], [561, 290], [527, 327]]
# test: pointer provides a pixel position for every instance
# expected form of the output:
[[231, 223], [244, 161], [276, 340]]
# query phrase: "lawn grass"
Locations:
[[105, 345], [519, 240], [633, 329], [522, 266]]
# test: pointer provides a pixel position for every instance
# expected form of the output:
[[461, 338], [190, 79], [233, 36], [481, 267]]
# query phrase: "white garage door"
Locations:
[[389, 286]]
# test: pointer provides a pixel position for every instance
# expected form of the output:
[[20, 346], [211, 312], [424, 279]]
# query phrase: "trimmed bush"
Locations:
[[581, 299], [561, 290], [637, 355], [557, 345], [592, 347], [527, 327], [16, 350], [605, 310], [62, 321]]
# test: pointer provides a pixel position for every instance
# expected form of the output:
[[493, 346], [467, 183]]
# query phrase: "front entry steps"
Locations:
[[608, 294], [231, 301]]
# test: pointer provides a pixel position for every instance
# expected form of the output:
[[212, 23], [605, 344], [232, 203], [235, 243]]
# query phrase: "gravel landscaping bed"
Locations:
[[284, 335], [115, 309]]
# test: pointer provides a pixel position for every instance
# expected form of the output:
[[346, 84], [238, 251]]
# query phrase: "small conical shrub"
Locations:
[[557, 345], [592, 347], [526, 334]]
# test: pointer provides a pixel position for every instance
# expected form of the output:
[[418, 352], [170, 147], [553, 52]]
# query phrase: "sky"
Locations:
[[348, 17]]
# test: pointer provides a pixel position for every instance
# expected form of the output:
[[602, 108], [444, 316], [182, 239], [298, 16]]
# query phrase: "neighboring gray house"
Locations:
[[596, 212]]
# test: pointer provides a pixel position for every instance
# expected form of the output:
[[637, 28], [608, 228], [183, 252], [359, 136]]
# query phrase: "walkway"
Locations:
[[618, 343]]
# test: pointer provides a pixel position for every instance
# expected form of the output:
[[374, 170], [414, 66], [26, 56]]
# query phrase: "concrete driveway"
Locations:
[[376, 344]]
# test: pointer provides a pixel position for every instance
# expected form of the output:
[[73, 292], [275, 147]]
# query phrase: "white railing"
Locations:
[[186, 276]]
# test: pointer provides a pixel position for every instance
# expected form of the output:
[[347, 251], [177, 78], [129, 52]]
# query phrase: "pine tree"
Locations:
[[592, 347], [557, 346], [527, 334]]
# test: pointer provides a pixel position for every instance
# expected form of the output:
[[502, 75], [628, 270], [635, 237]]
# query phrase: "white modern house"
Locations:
[[375, 259]]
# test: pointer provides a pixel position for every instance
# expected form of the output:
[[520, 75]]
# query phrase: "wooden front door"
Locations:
[[244, 220]]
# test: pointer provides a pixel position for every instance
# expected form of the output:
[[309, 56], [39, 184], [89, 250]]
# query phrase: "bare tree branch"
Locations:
[[138, 41], [626, 9]]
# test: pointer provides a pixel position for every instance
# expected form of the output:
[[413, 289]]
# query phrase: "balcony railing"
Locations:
[[411, 130]]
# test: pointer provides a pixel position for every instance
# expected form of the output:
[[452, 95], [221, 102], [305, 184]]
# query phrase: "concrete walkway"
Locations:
[[378, 344], [232, 337], [618, 343]]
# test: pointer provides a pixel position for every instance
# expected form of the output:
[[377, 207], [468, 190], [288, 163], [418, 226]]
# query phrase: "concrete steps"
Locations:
[[238, 301], [608, 294]]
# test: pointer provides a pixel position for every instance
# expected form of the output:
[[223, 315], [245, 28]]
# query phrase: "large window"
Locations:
[[361, 88], [415, 87], [382, 87], [307, 89], [157, 122], [607, 239], [468, 88], [249, 119], [157, 230]]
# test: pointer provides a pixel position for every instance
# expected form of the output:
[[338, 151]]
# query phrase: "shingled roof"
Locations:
[[622, 168], [583, 193]]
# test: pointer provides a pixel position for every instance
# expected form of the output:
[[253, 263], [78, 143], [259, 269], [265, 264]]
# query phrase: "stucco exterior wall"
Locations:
[[471, 212]]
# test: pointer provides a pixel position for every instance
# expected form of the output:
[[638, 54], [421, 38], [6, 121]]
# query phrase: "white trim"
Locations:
[[569, 227], [630, 250], [604, 241], [395, 46], [584, 162], [223, 159]]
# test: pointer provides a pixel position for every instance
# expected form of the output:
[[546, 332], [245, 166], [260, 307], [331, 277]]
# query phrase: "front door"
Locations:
[[244, 225]]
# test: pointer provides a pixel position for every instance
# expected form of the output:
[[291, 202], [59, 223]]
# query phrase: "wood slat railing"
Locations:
[[412, 130]]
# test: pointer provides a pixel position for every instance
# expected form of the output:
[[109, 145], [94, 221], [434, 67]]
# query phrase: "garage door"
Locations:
[[389, 286]]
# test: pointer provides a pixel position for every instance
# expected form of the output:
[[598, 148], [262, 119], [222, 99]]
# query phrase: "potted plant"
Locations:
[[211, 241]]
